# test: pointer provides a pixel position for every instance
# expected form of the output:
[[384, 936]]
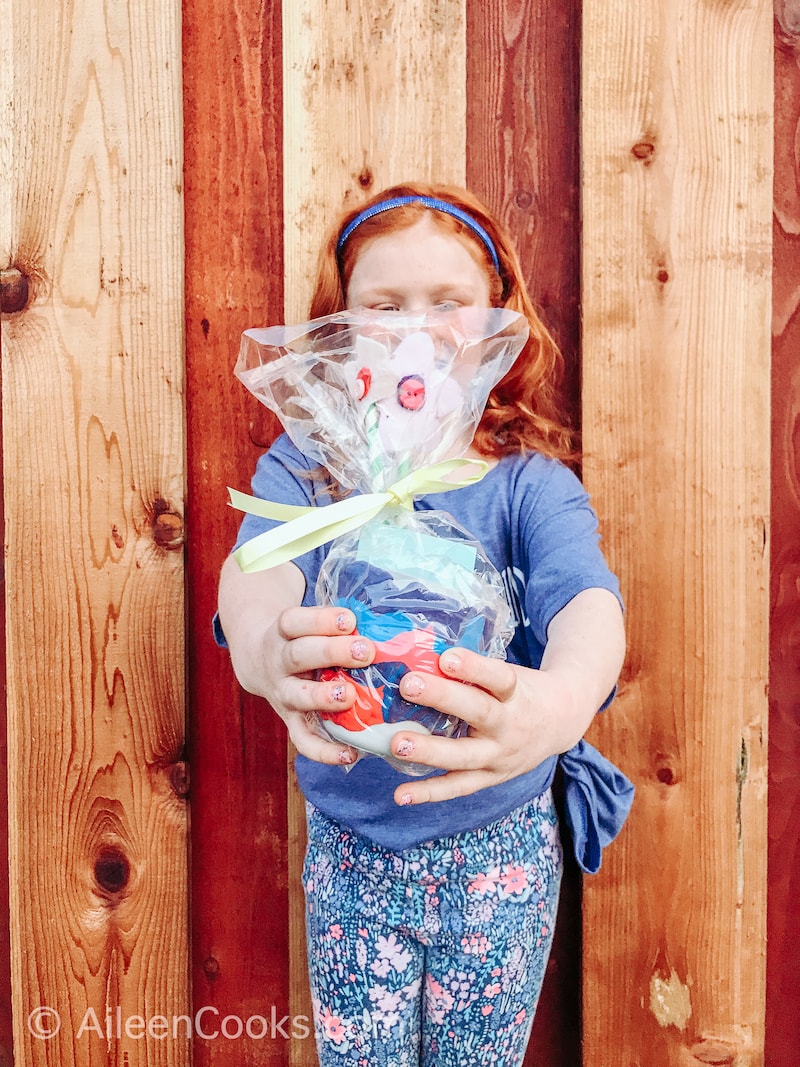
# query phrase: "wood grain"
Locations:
[[677, 140], [6, 1025], [372, 95], [93, 471], [783, 917], [523, 123], [523, 85], [7, 244], [234, 280]]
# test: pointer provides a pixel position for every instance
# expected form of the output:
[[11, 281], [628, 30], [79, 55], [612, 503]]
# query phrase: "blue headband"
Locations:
[[428, 201]]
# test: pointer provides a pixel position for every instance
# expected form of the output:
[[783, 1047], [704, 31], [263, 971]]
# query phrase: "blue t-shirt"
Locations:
[[534, 521]]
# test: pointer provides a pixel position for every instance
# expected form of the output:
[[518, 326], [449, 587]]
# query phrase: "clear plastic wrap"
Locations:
[[376, 398], [417, 584]]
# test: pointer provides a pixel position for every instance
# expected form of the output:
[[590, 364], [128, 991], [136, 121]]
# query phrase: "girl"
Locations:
[[431, 901]]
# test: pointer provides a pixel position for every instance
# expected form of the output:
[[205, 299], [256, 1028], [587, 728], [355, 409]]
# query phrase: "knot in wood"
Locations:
[[167, 527], [714, 1053], [644, 151], [787, 15], [14, 291], [179, 778], [112, 870]]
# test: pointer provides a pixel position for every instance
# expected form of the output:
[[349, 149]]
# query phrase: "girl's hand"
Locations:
[[518, 716], [301, 641], [276, 646]]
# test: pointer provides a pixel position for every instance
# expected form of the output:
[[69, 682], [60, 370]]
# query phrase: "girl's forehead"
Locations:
[[428, 227], [425, 247]]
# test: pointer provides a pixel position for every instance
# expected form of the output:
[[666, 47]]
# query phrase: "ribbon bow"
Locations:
[[304, 528]]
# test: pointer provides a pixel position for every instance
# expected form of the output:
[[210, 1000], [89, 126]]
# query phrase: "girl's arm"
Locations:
[[276, 645], [518, 716]]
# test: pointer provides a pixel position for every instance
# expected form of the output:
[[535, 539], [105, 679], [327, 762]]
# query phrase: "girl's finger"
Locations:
[[305, 696], [495, 676], [304, 654], [311, 744], [444, 787], [308, 622], [444, 753], [466, 702]]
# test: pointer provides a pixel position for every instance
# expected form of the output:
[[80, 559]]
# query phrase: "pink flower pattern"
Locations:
[[462, 930]]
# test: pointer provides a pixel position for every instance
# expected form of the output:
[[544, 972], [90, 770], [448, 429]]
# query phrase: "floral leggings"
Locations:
[[434, 955]]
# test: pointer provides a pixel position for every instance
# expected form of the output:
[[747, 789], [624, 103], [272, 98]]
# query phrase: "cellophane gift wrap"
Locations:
[[381, 400]]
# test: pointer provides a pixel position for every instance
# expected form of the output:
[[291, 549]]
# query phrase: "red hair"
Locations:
[[522, 412]]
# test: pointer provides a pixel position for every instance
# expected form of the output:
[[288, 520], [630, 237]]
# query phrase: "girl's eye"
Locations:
[[384, 307], [447, 305]]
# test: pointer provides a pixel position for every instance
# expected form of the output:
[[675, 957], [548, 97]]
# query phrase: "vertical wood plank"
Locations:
[[677, 141], [7, 215], [783, 915], [373, 94], [522, 143], [6, 1027], [94, 482], [234, 280], [523, 87]]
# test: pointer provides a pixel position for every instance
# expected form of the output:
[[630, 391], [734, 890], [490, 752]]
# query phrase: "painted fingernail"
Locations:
[[337, 693], [405, 748], [450, 662], [413, 685], [346, 756], [359, 650], [406, 799], [343, 621]]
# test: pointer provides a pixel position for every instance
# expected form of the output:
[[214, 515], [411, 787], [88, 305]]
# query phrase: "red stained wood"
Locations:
[[234, 280], [783, 916], [523, 107], [6, 1042], [523, 79]]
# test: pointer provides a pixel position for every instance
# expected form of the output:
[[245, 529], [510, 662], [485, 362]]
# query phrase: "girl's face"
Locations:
[[415, 270]]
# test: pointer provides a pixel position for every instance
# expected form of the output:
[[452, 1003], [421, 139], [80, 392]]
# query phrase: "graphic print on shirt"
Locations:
[[514, 585]]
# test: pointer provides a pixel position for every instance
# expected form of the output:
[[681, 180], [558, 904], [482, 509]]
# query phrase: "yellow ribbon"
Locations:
[[304, 528]]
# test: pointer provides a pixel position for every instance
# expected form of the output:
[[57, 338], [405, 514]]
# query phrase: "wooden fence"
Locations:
[[649, 252]]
